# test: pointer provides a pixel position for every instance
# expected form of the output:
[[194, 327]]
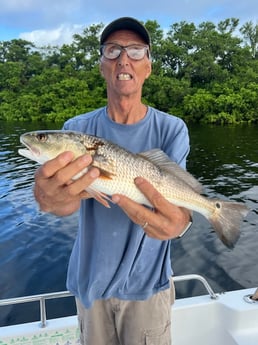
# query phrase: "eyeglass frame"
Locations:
[[145, 47]]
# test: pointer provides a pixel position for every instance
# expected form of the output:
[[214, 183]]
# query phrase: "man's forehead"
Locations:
[[124, 35]]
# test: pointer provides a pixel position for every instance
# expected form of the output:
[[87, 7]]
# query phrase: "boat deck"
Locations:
[[230, 318]]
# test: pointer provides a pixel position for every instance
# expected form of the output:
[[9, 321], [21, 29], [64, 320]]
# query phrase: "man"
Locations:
[[120, 268]]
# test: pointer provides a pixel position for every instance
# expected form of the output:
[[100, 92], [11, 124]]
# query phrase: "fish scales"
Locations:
[[127, 166], [119, 167]]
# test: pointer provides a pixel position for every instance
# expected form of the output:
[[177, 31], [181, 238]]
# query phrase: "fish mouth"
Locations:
[[124, 76], [30, 154], [30, 149], [34, 151]]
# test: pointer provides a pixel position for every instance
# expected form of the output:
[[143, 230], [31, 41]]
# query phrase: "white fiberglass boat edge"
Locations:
[[230, 318]]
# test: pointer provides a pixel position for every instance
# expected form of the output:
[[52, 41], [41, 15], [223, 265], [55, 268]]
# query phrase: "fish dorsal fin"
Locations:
[[161, 159]]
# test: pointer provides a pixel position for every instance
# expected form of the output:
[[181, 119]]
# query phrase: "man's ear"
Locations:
[[148, 71], [101, 71]]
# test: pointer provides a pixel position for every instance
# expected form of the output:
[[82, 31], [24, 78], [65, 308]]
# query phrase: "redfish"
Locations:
[[119, 167]]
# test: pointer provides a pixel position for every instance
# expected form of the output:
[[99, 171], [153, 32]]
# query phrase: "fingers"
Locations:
[[63, 167], [53, 165], [154, 224], [164, 222], [55, 190], [78, 186], [155, 198], [139, 214]]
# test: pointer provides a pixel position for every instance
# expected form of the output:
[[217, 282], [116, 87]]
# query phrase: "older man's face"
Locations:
[[125, 76]]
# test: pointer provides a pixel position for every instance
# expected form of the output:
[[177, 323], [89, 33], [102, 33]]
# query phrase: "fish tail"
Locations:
[[227, 219]]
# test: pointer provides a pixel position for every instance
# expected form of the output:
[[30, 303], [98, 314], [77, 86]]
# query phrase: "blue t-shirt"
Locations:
[[112, 256]]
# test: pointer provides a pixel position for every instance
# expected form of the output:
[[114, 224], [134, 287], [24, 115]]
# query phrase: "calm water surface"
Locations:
[[35, 247]]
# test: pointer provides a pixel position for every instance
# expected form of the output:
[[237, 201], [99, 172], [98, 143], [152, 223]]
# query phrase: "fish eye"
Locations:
[[218, 205], [42, 137]]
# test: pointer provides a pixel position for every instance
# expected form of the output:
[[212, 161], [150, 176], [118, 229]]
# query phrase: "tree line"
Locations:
[[206, 73]]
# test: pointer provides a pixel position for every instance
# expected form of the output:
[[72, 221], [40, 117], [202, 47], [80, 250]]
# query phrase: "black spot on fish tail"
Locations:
[[227, 219]]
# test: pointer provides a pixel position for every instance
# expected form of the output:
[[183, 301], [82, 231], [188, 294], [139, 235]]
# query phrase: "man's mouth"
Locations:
[[124, 76]]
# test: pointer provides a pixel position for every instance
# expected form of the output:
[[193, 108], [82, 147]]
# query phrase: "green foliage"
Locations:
[[205, 74]]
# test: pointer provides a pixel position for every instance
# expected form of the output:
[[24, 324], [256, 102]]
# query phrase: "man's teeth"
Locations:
[[124, 76]]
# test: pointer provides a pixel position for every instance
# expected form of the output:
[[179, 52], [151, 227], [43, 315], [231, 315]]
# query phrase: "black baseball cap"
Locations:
[[125, 23]]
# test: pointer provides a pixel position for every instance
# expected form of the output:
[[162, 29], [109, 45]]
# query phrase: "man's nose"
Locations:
[[123, 57]]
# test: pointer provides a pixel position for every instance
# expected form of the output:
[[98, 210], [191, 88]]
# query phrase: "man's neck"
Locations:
[[126, 112]]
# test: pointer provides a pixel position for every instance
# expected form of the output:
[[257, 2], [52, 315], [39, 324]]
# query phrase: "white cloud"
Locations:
[[38, 13], [58, 36], [52, 21]]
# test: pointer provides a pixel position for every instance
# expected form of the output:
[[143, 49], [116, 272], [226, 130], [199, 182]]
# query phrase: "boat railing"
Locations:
[[201, 279], [42, 298]]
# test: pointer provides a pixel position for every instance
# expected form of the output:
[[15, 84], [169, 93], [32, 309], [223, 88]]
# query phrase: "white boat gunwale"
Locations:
[[230, 318]]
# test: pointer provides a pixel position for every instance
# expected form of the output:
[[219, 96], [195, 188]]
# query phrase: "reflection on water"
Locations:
[[225, 159], [35, 247]]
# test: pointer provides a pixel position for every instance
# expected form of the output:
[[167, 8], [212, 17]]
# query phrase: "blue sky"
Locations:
[[55, 21]]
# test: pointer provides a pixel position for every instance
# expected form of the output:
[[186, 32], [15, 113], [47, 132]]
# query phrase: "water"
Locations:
[[35, 247]]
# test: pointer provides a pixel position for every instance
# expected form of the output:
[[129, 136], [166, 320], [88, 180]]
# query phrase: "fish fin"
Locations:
[[106, 165], [226, 221], [105, 174], [161, 159], [100, 197]]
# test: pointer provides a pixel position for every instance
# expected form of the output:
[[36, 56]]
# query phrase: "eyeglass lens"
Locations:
[[112, 51]]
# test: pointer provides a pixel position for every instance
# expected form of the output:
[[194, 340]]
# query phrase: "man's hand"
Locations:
[[164, 222], [55, 191]]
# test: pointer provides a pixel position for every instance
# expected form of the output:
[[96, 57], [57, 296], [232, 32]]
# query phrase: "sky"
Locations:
[[54, 22]]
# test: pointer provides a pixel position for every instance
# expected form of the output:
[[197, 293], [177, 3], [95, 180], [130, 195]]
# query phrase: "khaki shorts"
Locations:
[[118, 322]]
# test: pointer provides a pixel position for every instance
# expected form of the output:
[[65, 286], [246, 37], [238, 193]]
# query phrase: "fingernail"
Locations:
[[138, 180], [67, 156], [86, 159], [115, 199], [94, 172]]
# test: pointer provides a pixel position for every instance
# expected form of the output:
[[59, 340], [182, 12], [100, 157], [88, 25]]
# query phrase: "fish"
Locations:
[[119, 167]]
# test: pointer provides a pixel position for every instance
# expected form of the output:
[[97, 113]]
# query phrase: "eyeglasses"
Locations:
[[112, 51]]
